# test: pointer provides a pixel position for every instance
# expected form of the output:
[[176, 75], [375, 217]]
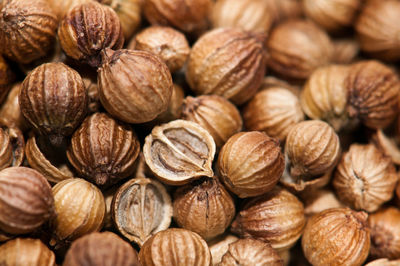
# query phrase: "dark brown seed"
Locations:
[[227, 62], [134, 86], [204, 207], [373, 93], [103, 150], [27, 29], [54, 100], [88, 29], [276, 217]]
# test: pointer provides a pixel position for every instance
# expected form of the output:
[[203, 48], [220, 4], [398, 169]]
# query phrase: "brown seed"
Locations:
[[141, 207], [26, 251], [365, 178], [297, 47], [26, 201], [273, 110], [373, 90], [248, 252], [226, 62], [54, 100], [338, 236], [80, 209], [187, 16], [179, 151], [276, 217], [10, 113], [50, 162], [175, 247], [385, 233], [313, 149], [250, 163], [27, 29], [89, 28], [103, 150], [104, 248], [129, 13], [324, 96], [377, 29], [333, 15], [204, 207], [134, 86], [214, 113], [249, 15], [169, 44]]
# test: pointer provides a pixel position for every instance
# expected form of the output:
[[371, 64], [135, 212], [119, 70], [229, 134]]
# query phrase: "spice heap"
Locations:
[[201, 132]]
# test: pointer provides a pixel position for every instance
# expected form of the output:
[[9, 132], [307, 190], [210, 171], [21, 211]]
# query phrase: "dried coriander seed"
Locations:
[[179, 151], [141, 207]]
